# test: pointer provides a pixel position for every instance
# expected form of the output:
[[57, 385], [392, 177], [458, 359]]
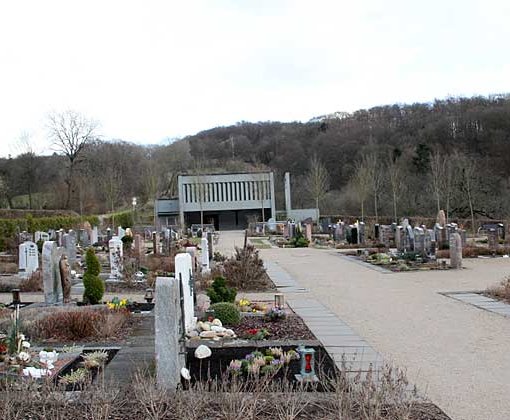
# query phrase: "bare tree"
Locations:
[[374, 173], [317, 180], [394, 171], [362, 183], [70, 133], [443, 174], [29, 165], [467, 176]]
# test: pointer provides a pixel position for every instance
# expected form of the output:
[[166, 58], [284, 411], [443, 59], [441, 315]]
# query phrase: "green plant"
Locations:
[[92, 262], [94, 286], [227, 313], [95, 359], [220, 292], [299, 241], [127, 241], [77, 376]]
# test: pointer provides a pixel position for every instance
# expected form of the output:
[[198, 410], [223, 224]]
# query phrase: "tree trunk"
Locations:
[[395, 207], [375, 208], [362, 210]]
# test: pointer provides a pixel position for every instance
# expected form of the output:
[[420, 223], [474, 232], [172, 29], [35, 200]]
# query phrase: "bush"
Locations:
[[94, 289], [220, 292], [34, 283], [227, 313], [299, 241], [94, 286], [245, 270], [92, 262]]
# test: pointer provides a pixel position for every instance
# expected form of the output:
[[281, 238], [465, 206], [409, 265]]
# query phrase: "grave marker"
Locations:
[[52, 283]]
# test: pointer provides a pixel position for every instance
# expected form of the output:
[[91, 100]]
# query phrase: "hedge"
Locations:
[[122, 218], [10, 227]]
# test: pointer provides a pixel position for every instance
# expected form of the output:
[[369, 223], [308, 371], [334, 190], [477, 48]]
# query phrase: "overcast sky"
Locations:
[[150, 70]]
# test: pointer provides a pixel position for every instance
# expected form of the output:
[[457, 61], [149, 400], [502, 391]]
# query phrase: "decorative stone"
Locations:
[[185, 374], [230, 332], [192, 334], [217, 329], [217, 322], [207, 334], [202, 352]]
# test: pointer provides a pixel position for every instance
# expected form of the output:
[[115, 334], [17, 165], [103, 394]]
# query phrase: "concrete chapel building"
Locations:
[[228, 201]]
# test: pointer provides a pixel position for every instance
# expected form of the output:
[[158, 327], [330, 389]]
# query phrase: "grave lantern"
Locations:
[[279, 300], [149, 295], [16, 299], [307, 357]]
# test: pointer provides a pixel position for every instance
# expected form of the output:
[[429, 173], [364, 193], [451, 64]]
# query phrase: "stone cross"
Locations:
[[116, 257], [28, 258], [183, 272], [455, 250], [52, 283], [167, 318]]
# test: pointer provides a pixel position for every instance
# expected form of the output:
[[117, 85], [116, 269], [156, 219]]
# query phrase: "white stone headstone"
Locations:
[[69, 243], [205, 255], [121, 232], [94, 237], [116, 256], [28, 258], [183, 271], [52, 283]]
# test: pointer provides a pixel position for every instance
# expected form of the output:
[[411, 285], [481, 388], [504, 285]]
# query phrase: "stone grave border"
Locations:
[[477, 299]]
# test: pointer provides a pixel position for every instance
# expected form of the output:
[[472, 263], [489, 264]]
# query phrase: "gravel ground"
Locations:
[[458, 355]]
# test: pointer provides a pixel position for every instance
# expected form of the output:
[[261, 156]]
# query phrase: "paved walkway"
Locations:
[[457, 354]]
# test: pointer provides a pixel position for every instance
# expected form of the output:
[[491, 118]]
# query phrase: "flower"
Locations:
[[276, 351], [252, 331], [235, 365], [260, 361], [244, 302], [23, 356]]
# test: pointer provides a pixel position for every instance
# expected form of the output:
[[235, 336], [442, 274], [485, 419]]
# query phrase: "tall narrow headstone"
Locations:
[[308, 232], [116, 257], [167, 318], [183, 272], [69, 243], [52, 284], [28, 258], [94, 236], [492, 239], [455, 250], [288, 203], [155, 243], [205, 255], [441, 218], [139, 246]]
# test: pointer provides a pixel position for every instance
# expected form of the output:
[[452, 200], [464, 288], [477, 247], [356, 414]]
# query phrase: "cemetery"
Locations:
[[205, 337]]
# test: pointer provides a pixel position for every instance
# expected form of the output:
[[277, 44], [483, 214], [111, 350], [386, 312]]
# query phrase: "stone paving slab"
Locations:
[[282, 280], [482, 302]]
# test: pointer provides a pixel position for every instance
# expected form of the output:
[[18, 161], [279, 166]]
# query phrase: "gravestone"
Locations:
[[271, 224], [121, 232], [353, 234], [376, 232], [419, 240], [308, 232], [167, 318], [155, 243], [184, 272], [192, 251], [28, 261], [361, 233], [41, 236], [399, 238], [25, 237], [52, 283], [455, 251], [116, 257], [69, 243], [385, 233], [205, 256], [139, 246], [210, 247], [94, 236], [52, 234], [492, 239], [408, 239], [286, 230], [109, 234]]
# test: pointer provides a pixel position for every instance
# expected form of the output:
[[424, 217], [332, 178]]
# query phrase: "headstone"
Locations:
[[399, 238], [52, 283], [94, 236], [271, 224], [139, 246], [210, 246], [192, 251], [109, 234], [492, 239], [376, 231], [408, 239], [286, 230], [116, 257], [121, 232], [183, 271], [361, 233], [354, 234], [167, 317], [455, 251], [28, 261], [385, 234], [52, 234], [155, 243], [41, 236], [308, 232], [288, 205], [69, 243], [205, 255], [25, 237], [419, 240]]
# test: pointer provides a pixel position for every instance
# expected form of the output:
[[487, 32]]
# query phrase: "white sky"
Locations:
[[149, 70]]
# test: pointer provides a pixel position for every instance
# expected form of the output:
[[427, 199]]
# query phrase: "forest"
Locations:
[[395, 160]]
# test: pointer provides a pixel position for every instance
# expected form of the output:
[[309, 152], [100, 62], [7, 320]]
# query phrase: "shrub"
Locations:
[[502, 291], [227, 313], [219, 292], [299, 241], [94, 286], [127, 241], [34, 283], [245, 270], [92, 262]]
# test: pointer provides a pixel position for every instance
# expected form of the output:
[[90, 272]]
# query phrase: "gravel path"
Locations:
[[458, 355]]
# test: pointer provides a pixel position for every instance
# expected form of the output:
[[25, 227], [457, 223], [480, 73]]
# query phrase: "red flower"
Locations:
[[253, 331], [3, 348]]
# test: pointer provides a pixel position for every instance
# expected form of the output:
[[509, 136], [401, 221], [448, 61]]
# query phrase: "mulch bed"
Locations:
[[290, 328]]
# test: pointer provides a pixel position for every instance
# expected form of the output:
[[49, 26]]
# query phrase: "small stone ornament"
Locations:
[[202, 352]]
